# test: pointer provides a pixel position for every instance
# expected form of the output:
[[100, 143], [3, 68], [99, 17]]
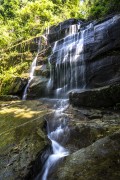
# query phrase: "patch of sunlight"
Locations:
[[23, 113]]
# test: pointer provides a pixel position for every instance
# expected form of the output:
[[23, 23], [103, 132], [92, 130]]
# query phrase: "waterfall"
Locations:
[[55, 136], [67, 72], [33, 65], [68, 54]]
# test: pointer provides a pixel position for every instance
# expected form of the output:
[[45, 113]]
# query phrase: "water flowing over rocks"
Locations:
[[84, 64], [37, 85], [94, 144], [79, 59], [81, 55], [24, 141], [99, 54], [98, 161]]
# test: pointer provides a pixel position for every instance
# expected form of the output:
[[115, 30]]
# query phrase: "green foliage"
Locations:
[[23, 19], [13, 65], [94, 9]]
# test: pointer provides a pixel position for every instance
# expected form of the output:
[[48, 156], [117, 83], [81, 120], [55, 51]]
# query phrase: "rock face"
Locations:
[[98, 161], [81, 55], [22, 137], [85, 54], [38, 86], [88, 125], [94, 144], [108, 96]]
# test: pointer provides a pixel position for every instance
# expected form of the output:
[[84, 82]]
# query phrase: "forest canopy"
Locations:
[[22, 19]]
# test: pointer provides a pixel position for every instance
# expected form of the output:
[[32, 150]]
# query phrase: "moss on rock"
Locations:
[[22, 136]]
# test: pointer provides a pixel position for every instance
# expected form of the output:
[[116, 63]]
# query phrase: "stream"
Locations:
[[61, 82], [58, 134]]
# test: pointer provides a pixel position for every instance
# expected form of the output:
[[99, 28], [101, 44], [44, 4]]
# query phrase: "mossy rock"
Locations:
[[22, 137], [13, 86]]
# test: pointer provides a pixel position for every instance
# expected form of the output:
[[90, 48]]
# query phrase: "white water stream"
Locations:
[[58, 133], [33, 66], [54, 135], [31, 76], [68, 52]]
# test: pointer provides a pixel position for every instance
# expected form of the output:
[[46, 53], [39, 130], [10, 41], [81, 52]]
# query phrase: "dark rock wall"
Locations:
[[100, 54], [83, 55]]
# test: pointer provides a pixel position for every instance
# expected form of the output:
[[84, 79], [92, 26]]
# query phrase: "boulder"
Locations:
[[17, 85], [107, 96], [22, 137], [42, 70], [87, 125], [37, 87], [13, 86], [101, 160]]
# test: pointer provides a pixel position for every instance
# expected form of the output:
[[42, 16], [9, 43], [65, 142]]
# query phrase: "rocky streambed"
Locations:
[[93, 142]]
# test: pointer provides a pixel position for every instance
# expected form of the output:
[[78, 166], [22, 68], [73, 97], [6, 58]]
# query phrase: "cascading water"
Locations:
[[67, 72], [58, 133], [31, 76], [33, 66], [68, 53]]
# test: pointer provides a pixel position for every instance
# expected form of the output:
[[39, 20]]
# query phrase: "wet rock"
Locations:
[[89, 56], [22, 137], [42, 71], [62, 30], [101, 160], [88, 125], [37, 87], [82, 54], [102, 97], [43, 56]]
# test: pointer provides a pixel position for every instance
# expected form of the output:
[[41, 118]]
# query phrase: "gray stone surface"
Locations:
[[108, 96]]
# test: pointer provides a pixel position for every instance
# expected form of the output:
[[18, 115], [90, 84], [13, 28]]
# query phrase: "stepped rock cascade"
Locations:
[[82, 55], [66, 55], [82, 51]]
